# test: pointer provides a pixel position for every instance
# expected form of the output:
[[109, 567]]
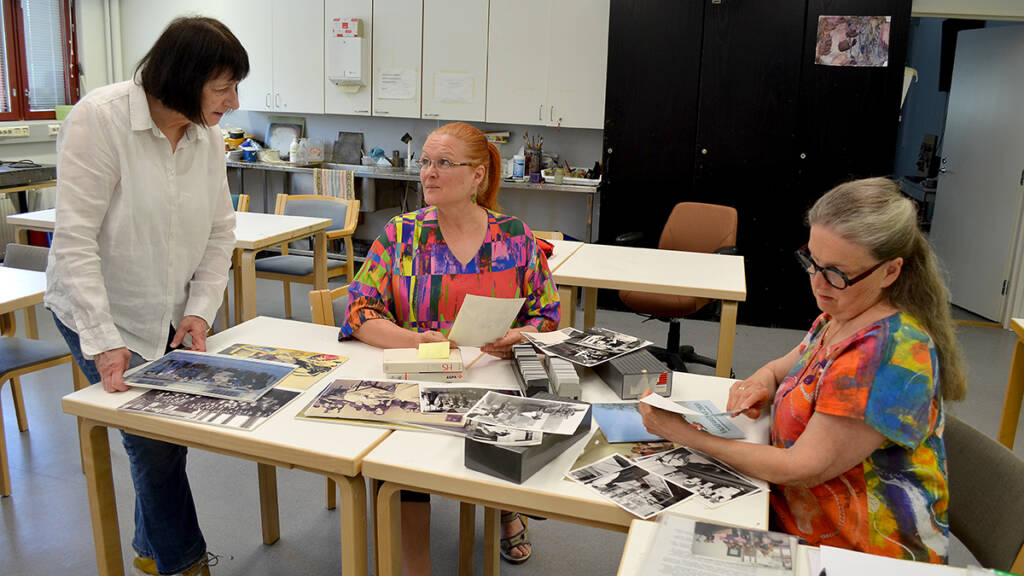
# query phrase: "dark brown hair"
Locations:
[[190, 52]]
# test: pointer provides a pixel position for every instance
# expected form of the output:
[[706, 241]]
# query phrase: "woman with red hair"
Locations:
[[422, 266]]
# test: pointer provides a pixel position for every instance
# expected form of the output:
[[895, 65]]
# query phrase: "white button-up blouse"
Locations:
[[143, 235]]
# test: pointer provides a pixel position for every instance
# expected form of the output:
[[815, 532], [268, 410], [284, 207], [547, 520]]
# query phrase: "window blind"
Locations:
[[44, 51]]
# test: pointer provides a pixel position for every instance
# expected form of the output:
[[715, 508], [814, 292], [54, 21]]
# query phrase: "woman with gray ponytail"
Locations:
[[857, 458]]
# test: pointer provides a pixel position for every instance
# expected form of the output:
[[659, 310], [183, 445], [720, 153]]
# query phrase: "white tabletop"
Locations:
[[311, 445], [20, 288], [434, 462], [563, 250], [715, 276], [253, 230], [38, 220]]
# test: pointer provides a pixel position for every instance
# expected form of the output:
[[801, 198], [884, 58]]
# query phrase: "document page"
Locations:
[[483, 320]]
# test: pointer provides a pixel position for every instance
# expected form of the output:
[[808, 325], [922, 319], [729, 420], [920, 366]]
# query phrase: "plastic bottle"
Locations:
[[293, 150], [518, 166]]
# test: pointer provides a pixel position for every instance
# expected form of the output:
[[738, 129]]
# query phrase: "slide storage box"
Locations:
[[517, 463]]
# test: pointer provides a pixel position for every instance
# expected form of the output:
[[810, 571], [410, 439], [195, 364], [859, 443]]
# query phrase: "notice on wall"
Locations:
[[396, 84], [853, 41], [454, 87]]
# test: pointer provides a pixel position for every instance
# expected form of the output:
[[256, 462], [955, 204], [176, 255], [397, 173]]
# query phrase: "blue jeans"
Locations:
[[166, 526]]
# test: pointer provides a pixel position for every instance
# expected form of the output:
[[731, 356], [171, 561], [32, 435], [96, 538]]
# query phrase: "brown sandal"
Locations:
[[521, 538]]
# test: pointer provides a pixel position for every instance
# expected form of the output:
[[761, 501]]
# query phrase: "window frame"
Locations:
[[17, 62]]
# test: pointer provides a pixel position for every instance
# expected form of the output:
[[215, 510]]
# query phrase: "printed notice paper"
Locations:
[[483, 320]]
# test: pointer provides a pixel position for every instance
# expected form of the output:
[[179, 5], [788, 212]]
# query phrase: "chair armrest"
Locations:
[[629, 238]]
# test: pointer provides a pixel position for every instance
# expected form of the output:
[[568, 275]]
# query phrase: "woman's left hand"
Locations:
[[668, 425], [502, 347], [195, 326]]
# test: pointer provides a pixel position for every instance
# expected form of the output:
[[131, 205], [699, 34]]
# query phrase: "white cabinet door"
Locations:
[[517, 65], [253, 28], [148, 20], [579, 56], [336, 99], [299, 56], [397, 51], [454, 59]]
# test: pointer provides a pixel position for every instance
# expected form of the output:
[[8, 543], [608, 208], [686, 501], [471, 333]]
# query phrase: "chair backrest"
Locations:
[[240, 202], [986, 496], [328, 306], [548, 235], [343, 213], [26, 257], [697, 227]]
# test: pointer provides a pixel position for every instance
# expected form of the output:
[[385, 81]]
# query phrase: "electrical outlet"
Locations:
[[14, 131], [54, 129]]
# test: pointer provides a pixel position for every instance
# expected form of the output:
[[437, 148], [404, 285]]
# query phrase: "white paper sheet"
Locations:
[[455, 87], [396, 84], [483, 319], [841, 562]]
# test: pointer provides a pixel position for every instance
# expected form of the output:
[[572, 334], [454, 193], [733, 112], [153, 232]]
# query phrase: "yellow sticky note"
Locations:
[[434, 350]]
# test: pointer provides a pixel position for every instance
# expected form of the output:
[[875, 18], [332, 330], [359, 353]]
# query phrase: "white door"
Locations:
[[517, 61], [454, 59], [348, 100], [397, 55], [579, 63], [978, 200], [299, 57]]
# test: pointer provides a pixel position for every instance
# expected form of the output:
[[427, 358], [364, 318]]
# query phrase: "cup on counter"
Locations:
[[559, 175]]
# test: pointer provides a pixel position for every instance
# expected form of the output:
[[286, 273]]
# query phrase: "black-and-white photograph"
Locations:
[[638, 491], [712, 481], [602, 467], [379, 400], [502, 435], [454, 399], [547, 416], [207, 410], [241, 379], [589, 348]]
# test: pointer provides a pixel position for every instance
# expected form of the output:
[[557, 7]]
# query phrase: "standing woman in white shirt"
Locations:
[[142, 246]]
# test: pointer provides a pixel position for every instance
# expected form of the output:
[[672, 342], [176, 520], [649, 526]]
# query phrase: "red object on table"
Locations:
[[546, 247]]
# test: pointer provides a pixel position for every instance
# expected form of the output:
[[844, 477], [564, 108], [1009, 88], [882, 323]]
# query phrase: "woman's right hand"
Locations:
[[111, 366], [751, 396]]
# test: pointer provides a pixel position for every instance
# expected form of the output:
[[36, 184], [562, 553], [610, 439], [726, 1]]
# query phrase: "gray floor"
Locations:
[[46, 527]]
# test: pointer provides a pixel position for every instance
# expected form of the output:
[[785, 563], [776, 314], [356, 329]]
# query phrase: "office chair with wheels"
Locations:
[[296, 268], [691, 227], [985, 509]]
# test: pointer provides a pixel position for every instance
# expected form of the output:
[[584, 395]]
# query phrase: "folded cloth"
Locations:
[[337, 183], [546, 247]]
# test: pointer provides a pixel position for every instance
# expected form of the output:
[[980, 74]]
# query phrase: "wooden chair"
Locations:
[[295, 268], [986, 481], [20, 356], [241, 204]]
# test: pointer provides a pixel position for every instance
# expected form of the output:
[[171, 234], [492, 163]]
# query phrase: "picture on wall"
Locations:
[[853, 41]]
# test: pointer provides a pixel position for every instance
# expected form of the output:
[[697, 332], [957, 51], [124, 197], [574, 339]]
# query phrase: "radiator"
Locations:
[[6, 230]]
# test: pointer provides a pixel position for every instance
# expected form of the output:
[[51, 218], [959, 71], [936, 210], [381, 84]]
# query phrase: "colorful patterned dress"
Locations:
[[411, 278], [895, 502]]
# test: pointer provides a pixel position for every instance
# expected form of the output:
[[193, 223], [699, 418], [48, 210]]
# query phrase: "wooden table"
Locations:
[[20, 290], [714, 276], [1014, 389], [434, 463], [253, 232], [331, 449]]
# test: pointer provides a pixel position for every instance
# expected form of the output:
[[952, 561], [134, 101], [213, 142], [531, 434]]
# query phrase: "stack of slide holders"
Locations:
[[528, 370]]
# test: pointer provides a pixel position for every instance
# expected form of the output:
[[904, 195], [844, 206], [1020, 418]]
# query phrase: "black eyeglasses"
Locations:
[[442, 164], [834, 276]]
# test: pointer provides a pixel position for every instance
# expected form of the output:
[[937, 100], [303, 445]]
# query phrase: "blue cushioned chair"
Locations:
[[299, 268]]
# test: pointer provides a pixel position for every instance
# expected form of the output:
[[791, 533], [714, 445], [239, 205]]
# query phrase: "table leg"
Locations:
[[79, 381], [102, 505], [492, 535], [247, 271], [5, 471], [467, 537], [320, 260], [353, 524], [389, 530], [269, 516], [567, 296], [590, 307], [331, 496], [236, 268], [726, 336], [21, 236], [31, 328], [1012, 402]]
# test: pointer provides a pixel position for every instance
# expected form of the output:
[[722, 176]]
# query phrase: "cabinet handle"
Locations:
[[277, 100], [431, 115], [268, 100], [361, 111], [381, 112], [551, 114], [540, 113]]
